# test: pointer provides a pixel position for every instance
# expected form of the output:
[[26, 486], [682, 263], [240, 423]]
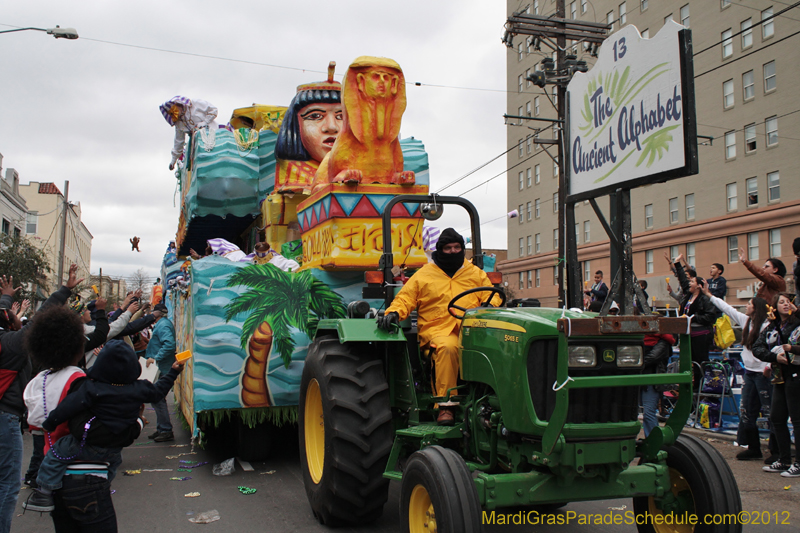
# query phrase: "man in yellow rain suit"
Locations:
[[429, 291]]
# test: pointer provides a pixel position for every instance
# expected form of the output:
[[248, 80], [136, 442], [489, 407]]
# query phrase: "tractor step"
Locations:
[[428, 431]]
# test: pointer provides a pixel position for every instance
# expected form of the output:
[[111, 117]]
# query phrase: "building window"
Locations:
[[519, 52], [730, 145], [773, 187], [646, 33], [31, 222], [555, 202], [519, 114], [521, 181], [528, 207], [751, 184], [752, 246], [772, 131], [610, 20], [727, 94], [750, 138], [748, 85], [775, 243], [538, 278], [648, 216], [643, 5], [648, 261], [520, 149], [685, 15], [537, 242], [528, 177], [530, 279], [674, 251], [573, 10], [555, 167], [6, 227], [673, 210], [537, 174], [770, 80], [555, 97], [587, 270], [623, 14], [727, 44], [747, 33], [586, 231], [520, 83], [690, 256], [724, 3], [529, 144], [584, 6], [768, 27], [527, 70], [522, 213], [535, 7], [689, 206], [667, 18], [555, 239], [522, 280], [730, 194], [577, 233], [537, 207], [530, 245], [555, 275], [521, 249], [733, 249], [536, 106], [527, 109]]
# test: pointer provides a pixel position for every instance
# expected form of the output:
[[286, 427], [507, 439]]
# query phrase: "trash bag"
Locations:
[[225, 468], [205, 517]]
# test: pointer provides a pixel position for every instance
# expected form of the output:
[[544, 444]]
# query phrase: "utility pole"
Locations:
[[553, 31], [62, 249]]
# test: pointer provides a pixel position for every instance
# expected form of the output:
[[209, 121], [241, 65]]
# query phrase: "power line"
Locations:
[[747, 55]]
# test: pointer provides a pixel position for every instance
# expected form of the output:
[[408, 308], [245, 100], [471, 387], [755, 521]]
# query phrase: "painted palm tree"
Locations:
[[276, 302]]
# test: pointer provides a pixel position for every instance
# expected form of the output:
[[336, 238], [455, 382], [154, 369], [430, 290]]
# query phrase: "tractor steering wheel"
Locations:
[[493, 290]]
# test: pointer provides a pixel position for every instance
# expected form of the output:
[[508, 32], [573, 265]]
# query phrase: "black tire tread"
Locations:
[[358, 434], [719, 485]]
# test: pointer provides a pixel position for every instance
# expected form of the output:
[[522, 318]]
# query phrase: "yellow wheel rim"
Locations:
[[421, 518], [314, 431], [680, 489]]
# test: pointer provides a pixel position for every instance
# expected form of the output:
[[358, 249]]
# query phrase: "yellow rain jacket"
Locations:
[[430, 290]]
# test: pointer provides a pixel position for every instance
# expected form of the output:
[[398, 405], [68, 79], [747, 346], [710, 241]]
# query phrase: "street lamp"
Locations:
[[57, 32]]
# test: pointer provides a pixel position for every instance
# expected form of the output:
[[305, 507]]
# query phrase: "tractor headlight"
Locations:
[[582, 356], [629, 356]]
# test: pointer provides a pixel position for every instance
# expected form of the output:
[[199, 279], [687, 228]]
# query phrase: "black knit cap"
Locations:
[[448, 236]]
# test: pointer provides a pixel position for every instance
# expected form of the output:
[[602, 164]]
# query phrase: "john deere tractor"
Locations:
[[548, 414]]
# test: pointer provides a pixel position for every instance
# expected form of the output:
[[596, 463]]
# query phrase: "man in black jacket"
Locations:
[[15, 372]]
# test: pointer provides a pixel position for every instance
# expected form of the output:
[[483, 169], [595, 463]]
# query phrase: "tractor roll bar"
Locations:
[[387, 258]]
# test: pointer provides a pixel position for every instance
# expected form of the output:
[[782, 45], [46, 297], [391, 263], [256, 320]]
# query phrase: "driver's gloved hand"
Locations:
[[386, 321]]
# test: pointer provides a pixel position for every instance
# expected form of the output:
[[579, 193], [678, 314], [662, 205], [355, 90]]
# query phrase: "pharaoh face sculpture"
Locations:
[[320, 124]]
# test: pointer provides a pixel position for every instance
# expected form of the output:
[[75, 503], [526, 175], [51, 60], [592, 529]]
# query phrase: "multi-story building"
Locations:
[[747, 193], [12, 205], [45, 224]]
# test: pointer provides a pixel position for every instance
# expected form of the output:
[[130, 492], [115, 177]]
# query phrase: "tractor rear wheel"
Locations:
[[438, 494], [345, 433], [702, 484]]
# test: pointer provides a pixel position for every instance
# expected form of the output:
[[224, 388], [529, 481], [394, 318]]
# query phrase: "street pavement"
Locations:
[[152, 502]]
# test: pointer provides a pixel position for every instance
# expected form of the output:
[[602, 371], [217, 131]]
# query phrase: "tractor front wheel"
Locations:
[[438, 494], [701, 484], [345, 433]]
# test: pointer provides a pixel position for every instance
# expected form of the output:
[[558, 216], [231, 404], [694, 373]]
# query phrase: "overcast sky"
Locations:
[[87, 111]]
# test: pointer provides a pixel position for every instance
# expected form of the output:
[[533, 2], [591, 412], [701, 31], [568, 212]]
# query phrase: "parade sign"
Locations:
[[631, 119]]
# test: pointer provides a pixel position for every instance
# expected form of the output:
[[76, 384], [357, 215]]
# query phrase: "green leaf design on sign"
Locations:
[[654, 145]]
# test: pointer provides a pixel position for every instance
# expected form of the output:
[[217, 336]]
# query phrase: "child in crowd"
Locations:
[[102, 412]]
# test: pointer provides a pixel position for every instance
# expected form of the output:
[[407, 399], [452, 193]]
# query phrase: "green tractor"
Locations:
[[548, 414]]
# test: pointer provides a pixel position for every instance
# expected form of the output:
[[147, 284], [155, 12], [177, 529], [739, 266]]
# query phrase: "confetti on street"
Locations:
[[180, 478], [191, 495]]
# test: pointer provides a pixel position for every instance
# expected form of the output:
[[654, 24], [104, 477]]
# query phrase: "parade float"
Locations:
[[311, 180]]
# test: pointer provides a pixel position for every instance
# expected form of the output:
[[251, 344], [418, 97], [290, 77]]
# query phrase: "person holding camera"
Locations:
[[697, 305]]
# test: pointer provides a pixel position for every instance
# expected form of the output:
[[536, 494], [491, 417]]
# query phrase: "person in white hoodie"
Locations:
[[756, 388]]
